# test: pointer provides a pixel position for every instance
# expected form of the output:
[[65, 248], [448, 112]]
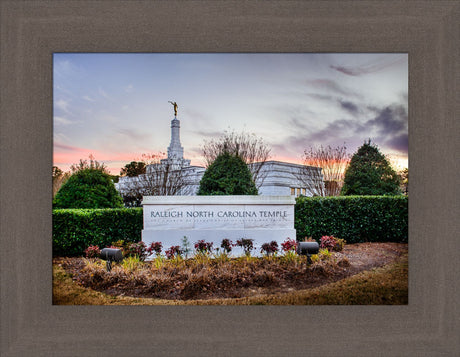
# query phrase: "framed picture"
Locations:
[[277, 126], [32, 32]]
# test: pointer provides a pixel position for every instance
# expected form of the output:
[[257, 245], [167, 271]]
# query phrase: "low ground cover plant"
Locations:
[[155, 247], [202, 247], [173, 252], [92, 251], [226, 245], [247, 245], [269, 248], [332, 243], [138, 250], [289, 245]]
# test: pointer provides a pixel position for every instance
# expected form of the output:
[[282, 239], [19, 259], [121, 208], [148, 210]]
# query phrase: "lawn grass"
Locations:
[[387, 285]]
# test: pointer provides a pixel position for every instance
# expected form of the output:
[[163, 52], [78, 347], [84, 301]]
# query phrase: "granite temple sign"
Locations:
[[167, 219]]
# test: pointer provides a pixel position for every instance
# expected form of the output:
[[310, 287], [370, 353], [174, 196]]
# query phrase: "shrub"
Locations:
[[173, 252], [269, 248], [226, 245], [88, 188], [289, 245], [328, 242], [138, 249], [324, 254], [76, 229], [370, 173], [227, 175], [203, 247], [246, 244], [356, 219], [155, 247], [92, 251], [340, 243]]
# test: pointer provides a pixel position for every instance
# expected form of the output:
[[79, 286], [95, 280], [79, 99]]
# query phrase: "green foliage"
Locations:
[[59, 178], [324, 254], [57, 172], [136, 249], [370, 173], [93, 164], [76, 229], [404, 179], [227, 175], [356, 219], [88, 188], [134, 168], [332, 243], [131, 263], [340, 243], [92, 252]]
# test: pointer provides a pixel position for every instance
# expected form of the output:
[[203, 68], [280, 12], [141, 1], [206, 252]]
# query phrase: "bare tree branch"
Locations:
[[249, 147], [333, 163], [163, 177], [93, 165]]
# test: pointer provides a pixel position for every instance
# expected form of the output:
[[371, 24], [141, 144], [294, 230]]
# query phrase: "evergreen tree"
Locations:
[[134, 168], [227, 175], [370, 173], [88, 188]]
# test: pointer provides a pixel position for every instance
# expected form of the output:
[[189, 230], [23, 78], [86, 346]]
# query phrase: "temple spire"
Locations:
[[175, 150]]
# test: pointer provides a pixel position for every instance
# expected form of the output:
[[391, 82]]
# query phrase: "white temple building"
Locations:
[[276, 178]]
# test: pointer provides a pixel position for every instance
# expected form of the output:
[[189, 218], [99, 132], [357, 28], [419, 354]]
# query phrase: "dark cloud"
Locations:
[[335, 133], [391, 120], [336, 129], [387, 127], [391, 127], [399, 143], [349, 71], [349, 107], [375, 66], [299, 124]]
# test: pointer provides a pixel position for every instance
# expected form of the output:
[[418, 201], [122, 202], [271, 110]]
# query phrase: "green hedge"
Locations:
[[356, 219], [76, 229]]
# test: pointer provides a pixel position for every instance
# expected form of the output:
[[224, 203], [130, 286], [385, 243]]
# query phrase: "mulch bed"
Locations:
[[232, 280]]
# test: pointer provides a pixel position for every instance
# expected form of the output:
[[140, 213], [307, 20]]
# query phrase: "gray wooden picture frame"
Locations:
[[31, 31]]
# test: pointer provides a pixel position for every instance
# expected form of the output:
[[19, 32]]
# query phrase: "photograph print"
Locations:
[[230, 178]]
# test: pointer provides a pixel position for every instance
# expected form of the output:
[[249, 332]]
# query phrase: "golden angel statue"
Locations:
[[175, 107]]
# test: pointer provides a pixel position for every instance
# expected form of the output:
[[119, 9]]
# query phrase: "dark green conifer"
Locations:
[[227, 175], [370, 173]]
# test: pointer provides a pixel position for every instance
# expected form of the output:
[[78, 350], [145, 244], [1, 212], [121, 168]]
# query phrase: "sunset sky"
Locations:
[[115, 106]]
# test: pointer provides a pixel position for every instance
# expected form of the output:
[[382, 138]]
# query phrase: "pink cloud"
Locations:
[[65, 155]]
